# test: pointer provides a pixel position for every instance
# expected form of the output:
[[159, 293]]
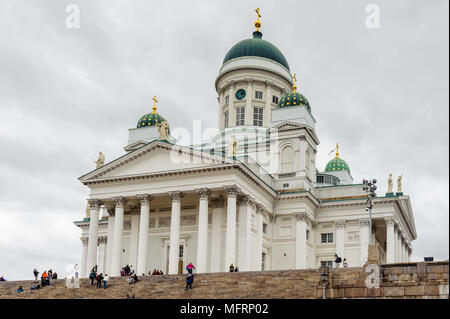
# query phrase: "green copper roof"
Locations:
[[337, 164], [292, 99], [151, 119], [256, 47]]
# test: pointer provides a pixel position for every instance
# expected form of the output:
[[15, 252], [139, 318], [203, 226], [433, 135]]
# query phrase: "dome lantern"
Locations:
[[150, 119], [294, 98]]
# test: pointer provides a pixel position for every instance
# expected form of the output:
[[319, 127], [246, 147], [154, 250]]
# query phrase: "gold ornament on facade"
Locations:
[[154, 104], [294, 86], [257, 22]]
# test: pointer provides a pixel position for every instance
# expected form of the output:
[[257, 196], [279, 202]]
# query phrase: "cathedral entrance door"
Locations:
[[180, 259]]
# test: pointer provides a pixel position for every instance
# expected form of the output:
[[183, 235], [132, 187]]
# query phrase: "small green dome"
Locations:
[[337, 164], [150, 119], [256, 47], [292, 99]]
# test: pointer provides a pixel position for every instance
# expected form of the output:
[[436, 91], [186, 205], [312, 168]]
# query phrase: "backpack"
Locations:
[[92, 275]]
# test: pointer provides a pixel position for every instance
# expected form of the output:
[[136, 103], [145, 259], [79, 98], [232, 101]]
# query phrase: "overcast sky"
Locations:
[[67, 93]]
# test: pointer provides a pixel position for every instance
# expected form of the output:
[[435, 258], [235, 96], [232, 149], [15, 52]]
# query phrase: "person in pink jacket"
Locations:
[[189, 268]]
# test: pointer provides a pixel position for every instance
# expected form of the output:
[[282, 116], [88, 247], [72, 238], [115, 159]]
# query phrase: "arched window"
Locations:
[[287, 159]]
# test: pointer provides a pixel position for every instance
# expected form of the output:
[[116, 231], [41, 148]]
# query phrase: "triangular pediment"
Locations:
[[156, 157], [289, 126]]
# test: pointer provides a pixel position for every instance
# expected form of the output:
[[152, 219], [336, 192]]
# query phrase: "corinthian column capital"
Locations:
[[94, 203], [102, 240], [340, 223], [84, 240], [303, 216], [203, 193], [390, 221], [145, 199], [120, 201], [177, 195], [364, 223], [232, 190]]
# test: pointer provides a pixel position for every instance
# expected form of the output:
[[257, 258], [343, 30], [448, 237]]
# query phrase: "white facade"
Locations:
[[267, 208]]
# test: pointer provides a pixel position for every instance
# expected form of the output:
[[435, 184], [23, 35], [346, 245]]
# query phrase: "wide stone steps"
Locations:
[[408, 280]]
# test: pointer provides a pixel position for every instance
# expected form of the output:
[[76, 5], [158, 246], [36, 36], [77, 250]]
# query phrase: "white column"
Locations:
[[133, 244], [93, 234], [109, 243], [267, 109], [101, 254], [230, 242], [398, 236], [117, 236], [300, 240], [259, 239], [84, 250], [364, 239], [248, 106], [231, 108], [340, 238], [403, 250], [175, 232], [390, 240], [216, 235], [202, 238], [244, 233], [141, 266]]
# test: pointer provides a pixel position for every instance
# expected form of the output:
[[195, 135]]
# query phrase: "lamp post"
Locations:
[[324, 279], [370, 187]]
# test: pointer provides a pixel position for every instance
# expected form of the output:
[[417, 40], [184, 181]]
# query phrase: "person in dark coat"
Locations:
[[99, 279], [189, 281], [92, 276]]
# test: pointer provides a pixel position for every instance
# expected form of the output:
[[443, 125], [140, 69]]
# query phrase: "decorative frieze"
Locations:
[[203, 193], [152, 222], [127, 225], [164, 221], [353, 236], [177, 195], [188, 220], [218, 202], [94, 203], [145, 199]]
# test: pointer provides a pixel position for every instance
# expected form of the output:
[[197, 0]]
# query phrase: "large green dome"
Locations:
[[292, 99], [150, 119], [256, 47], [337, 164]]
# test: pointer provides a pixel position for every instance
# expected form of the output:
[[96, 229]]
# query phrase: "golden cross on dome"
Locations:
[[294, 86], [154, 103], [257, 22], [337, 150]]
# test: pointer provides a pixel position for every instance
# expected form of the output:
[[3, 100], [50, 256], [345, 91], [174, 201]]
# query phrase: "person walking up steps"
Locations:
[[35, 273], [189, 281], [190, 267], [105, 281]]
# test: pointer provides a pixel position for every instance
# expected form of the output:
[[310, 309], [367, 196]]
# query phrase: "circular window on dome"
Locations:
[[240, 94]]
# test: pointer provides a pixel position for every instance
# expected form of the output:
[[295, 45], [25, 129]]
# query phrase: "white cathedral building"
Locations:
[[253, 197]]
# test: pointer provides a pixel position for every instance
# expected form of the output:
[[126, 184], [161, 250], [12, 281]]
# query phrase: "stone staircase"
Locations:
[[407, 280]]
